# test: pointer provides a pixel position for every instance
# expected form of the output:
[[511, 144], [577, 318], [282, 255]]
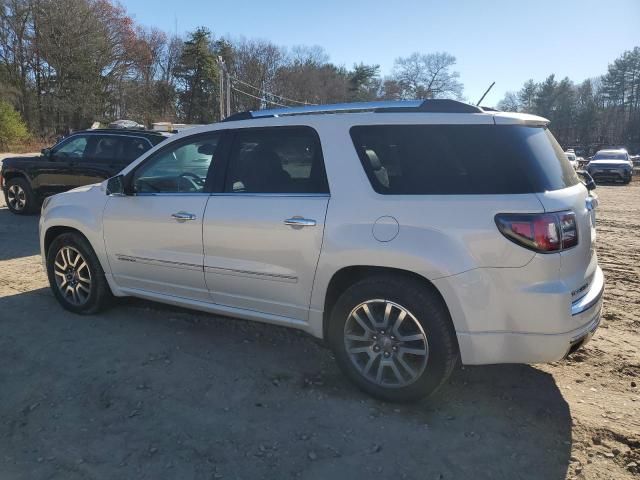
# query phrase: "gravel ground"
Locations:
[[144, 391]]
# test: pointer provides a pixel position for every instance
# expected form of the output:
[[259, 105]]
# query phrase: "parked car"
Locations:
[[611, 165], [573, 160], [408, 235], [82, 158]]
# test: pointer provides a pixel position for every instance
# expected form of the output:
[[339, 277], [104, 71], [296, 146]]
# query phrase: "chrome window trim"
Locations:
[[247, 194], [168, 194]]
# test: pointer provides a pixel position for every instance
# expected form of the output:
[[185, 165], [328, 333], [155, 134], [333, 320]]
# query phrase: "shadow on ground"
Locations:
[[18, 234], [142, 391]]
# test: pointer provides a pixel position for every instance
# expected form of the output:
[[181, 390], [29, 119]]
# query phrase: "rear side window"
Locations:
[[461, 159], [276, 160], [133, 148]]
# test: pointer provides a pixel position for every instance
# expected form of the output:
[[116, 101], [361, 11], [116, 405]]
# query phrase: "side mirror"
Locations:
[[115, 186], [46, 153], [587, 179]]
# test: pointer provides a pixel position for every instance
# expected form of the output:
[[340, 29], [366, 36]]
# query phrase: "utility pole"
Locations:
[[225, 93], [228, 91], [221, 88]]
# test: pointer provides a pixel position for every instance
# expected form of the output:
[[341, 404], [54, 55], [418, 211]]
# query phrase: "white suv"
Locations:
[[409, 235]]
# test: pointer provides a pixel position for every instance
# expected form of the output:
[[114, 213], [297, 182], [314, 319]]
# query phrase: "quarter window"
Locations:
[[461, 159], [179, 168], [276, 160]]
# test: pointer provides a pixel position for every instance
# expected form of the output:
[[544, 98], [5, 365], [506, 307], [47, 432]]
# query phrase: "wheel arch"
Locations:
[[347, 276], [55, 231], [12, 174]]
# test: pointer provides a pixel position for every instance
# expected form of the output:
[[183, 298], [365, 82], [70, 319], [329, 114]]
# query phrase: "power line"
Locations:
[[257, 98], [269, 93]]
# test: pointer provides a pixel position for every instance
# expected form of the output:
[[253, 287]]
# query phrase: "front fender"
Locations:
[[80, 210]]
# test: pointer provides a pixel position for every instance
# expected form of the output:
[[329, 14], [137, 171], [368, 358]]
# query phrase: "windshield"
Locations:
[[610, 156]]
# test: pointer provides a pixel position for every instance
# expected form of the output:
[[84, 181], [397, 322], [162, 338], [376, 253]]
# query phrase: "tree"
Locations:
[[12, 128], [544, 101], [428, 76], [527, 96], [197, 74], [364, 82], [510, 102]]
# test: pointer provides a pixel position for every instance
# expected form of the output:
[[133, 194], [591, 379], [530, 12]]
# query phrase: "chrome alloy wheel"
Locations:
[[386, 343], [16, 197], [72, 275]]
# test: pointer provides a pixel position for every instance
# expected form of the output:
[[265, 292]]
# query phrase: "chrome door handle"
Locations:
[[300, 222], [183, 216]]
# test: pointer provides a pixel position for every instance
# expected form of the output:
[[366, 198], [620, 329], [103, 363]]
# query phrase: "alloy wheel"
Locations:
[[386, 343], [16, 197], [72, 274]]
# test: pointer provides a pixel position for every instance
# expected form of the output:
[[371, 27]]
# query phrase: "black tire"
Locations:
[[425, 306], [98, 289], [19, 197]]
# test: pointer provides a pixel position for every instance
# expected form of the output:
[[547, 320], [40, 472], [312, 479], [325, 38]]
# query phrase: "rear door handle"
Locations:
[[183, 216], [300, 222]]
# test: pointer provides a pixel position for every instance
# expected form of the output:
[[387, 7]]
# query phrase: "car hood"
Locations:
[[609, 163], [13, 160]]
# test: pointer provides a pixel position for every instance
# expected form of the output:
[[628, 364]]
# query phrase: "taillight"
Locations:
[[541, 232]]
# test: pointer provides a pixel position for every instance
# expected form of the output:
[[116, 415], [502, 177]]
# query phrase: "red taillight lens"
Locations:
[[541, 232]]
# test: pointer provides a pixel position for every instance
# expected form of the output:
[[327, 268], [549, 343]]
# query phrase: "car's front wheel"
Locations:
[[393, 337], [19, 197], [75, 274]]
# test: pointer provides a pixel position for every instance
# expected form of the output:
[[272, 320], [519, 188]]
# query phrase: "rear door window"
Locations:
[[461, 159], [276, 160], [134, 147]]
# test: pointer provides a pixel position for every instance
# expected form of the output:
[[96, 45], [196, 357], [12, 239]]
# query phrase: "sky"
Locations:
[[503, 41]]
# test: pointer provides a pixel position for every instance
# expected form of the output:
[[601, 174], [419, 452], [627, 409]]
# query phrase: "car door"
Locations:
[[153, 236], [56, 174], [262, 235], [104, 156]]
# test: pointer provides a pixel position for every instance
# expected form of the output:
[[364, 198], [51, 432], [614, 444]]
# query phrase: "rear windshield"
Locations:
[[461, 159]]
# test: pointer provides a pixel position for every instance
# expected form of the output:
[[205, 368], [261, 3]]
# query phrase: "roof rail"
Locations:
[[439, 105]]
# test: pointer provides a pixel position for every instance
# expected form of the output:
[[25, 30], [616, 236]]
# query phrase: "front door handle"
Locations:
[[300, 222], [183, 216]]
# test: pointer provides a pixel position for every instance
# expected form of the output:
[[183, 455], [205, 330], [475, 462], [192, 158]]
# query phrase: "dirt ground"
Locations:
[[144, 391]]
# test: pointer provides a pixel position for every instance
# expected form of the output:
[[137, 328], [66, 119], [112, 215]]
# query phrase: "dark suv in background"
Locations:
[[82, 158]]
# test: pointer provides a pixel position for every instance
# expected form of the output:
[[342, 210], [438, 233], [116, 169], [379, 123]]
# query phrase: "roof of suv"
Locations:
[[438, 106], [121, 131]]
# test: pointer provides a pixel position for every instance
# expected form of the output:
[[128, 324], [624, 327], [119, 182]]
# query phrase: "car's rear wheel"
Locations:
[[75, 274], [393, 337], [19, 197]]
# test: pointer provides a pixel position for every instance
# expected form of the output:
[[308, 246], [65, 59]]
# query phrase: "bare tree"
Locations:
[[509, 103], [428, 76]]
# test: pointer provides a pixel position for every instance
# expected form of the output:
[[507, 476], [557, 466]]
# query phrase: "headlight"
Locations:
[[45, 202]]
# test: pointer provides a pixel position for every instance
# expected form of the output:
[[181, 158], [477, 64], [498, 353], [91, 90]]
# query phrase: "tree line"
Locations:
[[602, 111], [67, 63]]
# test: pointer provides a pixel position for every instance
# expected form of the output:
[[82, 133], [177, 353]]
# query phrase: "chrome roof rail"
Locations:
[[431, 106]]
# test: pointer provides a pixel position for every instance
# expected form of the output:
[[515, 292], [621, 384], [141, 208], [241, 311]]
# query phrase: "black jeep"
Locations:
[[82, 158]]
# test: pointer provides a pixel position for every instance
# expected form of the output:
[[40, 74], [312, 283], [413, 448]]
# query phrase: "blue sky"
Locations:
[[495, 40]]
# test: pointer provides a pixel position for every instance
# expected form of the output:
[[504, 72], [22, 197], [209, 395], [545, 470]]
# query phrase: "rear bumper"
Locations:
[[480, 348]]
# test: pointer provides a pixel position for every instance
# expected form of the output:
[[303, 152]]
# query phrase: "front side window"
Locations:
[[72, 148], [461, 159], [179, 168], [276, 160]]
